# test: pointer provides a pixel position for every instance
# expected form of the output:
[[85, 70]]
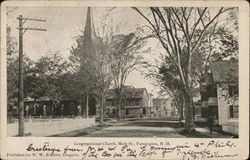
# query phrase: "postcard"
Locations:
[[124, 80]]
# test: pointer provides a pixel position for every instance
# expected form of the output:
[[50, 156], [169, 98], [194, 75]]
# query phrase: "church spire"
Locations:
[[89, 37], [89, 31]]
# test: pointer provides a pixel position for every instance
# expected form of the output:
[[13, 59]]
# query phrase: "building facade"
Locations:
[[164, 107], [219, 95], [134, 104], [225, 76], [209, 103]]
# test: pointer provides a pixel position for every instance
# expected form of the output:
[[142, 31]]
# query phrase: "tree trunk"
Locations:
[[87, 105], [119, 109], [181, 109], [101, 110], [189, 121], [124, 116], [188, 97]]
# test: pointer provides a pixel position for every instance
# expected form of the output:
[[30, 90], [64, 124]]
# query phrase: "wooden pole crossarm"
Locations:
[[31, 19], [28, 28], [37, 29], [35, 19]]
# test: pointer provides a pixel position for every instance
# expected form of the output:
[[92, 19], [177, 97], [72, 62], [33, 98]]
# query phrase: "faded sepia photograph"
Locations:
[[168, 72]]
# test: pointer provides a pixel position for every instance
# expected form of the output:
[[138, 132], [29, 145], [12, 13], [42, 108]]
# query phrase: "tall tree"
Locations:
[[12, 68], [93, 57], [180, 31], [43, 79], [125, 60], [165, 77], [170, 81]]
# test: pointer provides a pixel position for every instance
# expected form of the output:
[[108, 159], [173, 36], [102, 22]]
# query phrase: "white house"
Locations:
[[164, 107], [225, 76]]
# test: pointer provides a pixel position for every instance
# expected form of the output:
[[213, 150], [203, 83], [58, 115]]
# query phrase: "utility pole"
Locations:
[[87, 105], [22, 30]]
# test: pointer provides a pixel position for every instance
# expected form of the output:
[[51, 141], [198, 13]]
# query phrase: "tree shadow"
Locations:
[[196, 134], [155, 124]]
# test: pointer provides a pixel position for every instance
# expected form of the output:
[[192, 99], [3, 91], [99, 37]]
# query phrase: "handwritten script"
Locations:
[[133, 150]]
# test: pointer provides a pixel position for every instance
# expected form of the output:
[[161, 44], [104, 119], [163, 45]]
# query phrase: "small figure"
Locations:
[[27, 110], [35, 108], [62, 108], [210, 123], [79, 109], [14, 110], [44, 110]]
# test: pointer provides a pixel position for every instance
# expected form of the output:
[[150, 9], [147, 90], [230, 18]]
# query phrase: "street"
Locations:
[[141, 128]]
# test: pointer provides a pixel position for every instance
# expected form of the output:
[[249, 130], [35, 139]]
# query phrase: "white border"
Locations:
[[8, 143]]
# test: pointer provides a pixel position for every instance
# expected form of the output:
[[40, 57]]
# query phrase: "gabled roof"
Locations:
[[136, 93], [225, 71]]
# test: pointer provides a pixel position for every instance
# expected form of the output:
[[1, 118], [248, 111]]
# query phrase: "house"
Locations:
[[150, 104], [208, 104], [225, 77], [44, 107], [219, 95], [164, 107], [134, 104]]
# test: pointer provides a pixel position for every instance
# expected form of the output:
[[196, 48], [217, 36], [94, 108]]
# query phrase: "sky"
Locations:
[[63, 24]]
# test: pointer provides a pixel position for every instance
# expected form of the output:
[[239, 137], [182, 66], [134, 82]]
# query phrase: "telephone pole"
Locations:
[[22, 30], [87, 105]]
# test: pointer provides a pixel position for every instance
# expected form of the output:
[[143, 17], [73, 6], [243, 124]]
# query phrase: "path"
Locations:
[[143, 128]]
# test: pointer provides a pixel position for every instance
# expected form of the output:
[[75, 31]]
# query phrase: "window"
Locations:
[[212, 91], [108, 111], [204, 112], [166, 111], [172, 104], [127, 112], [131, 103], [234, 111], [137, 102], [233, 91], [127, 103]]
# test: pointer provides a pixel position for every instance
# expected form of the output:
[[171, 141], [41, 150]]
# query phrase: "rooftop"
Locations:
[[129, 93]]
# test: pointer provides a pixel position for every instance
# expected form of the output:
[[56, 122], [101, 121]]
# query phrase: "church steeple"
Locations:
[[89, 31], [89, 37]]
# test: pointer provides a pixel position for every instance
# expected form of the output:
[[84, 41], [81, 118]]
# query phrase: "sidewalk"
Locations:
[[204, 132], [87, 130], [50, 126]]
